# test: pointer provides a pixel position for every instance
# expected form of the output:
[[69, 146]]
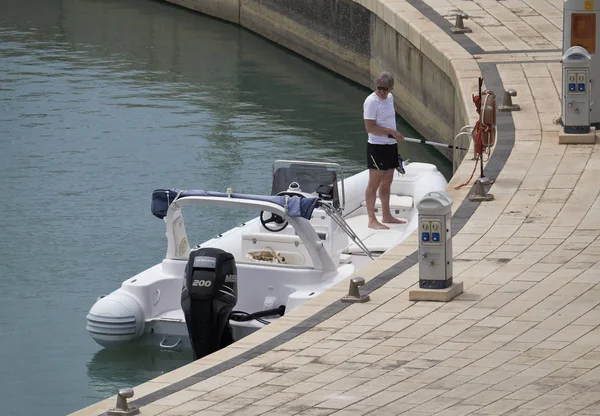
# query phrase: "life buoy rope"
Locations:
[[484, 132]]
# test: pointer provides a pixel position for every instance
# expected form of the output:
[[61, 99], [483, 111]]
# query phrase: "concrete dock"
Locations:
[[523, 338]]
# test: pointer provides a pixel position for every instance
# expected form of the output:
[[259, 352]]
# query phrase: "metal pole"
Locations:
[[480, 118], [448, 146]]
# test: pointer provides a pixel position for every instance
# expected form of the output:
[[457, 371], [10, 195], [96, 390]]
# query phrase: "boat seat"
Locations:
[[275, 248], [397, 202]]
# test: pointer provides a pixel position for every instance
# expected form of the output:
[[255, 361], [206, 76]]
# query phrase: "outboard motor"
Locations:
[[208, 296]]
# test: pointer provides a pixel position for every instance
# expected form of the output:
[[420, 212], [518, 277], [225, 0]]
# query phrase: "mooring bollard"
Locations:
[[459, 26], [508, 105], [479, 193], [122, 408], [354, 295]]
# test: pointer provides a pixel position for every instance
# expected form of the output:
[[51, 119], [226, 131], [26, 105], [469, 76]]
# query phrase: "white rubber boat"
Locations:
[[282, 258]]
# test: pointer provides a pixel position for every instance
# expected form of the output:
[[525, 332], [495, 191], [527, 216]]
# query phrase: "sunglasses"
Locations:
[[382, 88]]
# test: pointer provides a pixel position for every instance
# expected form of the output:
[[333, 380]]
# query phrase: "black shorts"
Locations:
[[382, 156]]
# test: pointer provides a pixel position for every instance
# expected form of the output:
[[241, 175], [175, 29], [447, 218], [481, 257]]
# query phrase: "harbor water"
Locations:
[[101, 102]]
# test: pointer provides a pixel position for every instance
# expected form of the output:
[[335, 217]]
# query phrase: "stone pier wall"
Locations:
[[223, 9], [424, 94], [333, 33]]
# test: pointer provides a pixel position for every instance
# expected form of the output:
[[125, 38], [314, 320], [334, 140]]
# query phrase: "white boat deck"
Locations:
[[377, 241]]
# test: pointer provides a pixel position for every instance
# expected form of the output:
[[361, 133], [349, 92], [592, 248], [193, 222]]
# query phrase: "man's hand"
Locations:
[[397, 135]]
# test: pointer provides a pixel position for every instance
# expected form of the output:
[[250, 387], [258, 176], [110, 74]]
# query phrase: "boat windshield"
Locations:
[[313, 178]]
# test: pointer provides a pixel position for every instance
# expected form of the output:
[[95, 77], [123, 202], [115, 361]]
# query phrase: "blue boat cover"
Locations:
[[296, 206]]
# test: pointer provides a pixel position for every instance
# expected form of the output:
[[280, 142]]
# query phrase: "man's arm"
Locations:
[[377, 130]]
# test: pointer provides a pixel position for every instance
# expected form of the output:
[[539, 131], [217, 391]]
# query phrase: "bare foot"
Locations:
[[378, 226], [393, 220]]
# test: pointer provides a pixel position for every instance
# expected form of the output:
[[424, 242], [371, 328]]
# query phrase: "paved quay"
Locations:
[[523, 339]]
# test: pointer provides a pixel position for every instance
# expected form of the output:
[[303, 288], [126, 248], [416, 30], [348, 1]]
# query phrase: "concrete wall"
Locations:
[[355, 42], [223, 9], [424, 93], [333, 33]]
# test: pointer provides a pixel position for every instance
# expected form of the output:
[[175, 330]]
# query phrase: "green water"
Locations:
[[102, 101]]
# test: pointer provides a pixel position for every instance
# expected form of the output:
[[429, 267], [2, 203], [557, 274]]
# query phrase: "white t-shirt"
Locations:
[[382, 111]]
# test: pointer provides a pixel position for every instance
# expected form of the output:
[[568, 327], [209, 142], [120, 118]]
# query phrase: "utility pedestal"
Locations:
[[576, 98], [435, 250], [581, 27]]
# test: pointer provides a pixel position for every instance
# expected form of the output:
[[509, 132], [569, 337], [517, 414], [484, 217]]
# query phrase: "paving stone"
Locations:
[[435, 405], [459, 410], [290, 378], [213, 383], [339, 402], [518, 346], [355, 409], [251, 410], [581, 400], [194, 406], [313, 412], [153, 409], [545, 401], [494, 377], [278, 399], [184, 396], [213, 413], [422, 395], [303, 387], [260, 392], [501, 406]]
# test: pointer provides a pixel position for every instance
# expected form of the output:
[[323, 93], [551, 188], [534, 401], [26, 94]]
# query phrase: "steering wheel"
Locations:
[[277, 219]]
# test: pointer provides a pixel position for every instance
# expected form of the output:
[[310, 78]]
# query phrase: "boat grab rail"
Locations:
[[319, 256], [273, 238]]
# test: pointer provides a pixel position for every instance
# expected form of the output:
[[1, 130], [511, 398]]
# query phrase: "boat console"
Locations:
[[316, 179]]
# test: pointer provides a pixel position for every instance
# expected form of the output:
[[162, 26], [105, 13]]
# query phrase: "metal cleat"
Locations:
[[354, 295], [122, 408], [508, 105], [459, 26], [479, 193]]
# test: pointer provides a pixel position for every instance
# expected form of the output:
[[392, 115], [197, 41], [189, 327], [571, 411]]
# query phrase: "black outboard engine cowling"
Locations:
[[208, 296]]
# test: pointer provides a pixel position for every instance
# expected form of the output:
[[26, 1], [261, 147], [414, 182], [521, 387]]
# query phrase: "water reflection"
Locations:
[[246, 89], [111, 369]]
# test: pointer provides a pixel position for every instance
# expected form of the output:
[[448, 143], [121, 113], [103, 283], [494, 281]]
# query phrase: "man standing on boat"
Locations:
[[382, 151]]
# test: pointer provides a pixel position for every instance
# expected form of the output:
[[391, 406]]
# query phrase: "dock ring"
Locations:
[[354, 295], [122, 408]]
